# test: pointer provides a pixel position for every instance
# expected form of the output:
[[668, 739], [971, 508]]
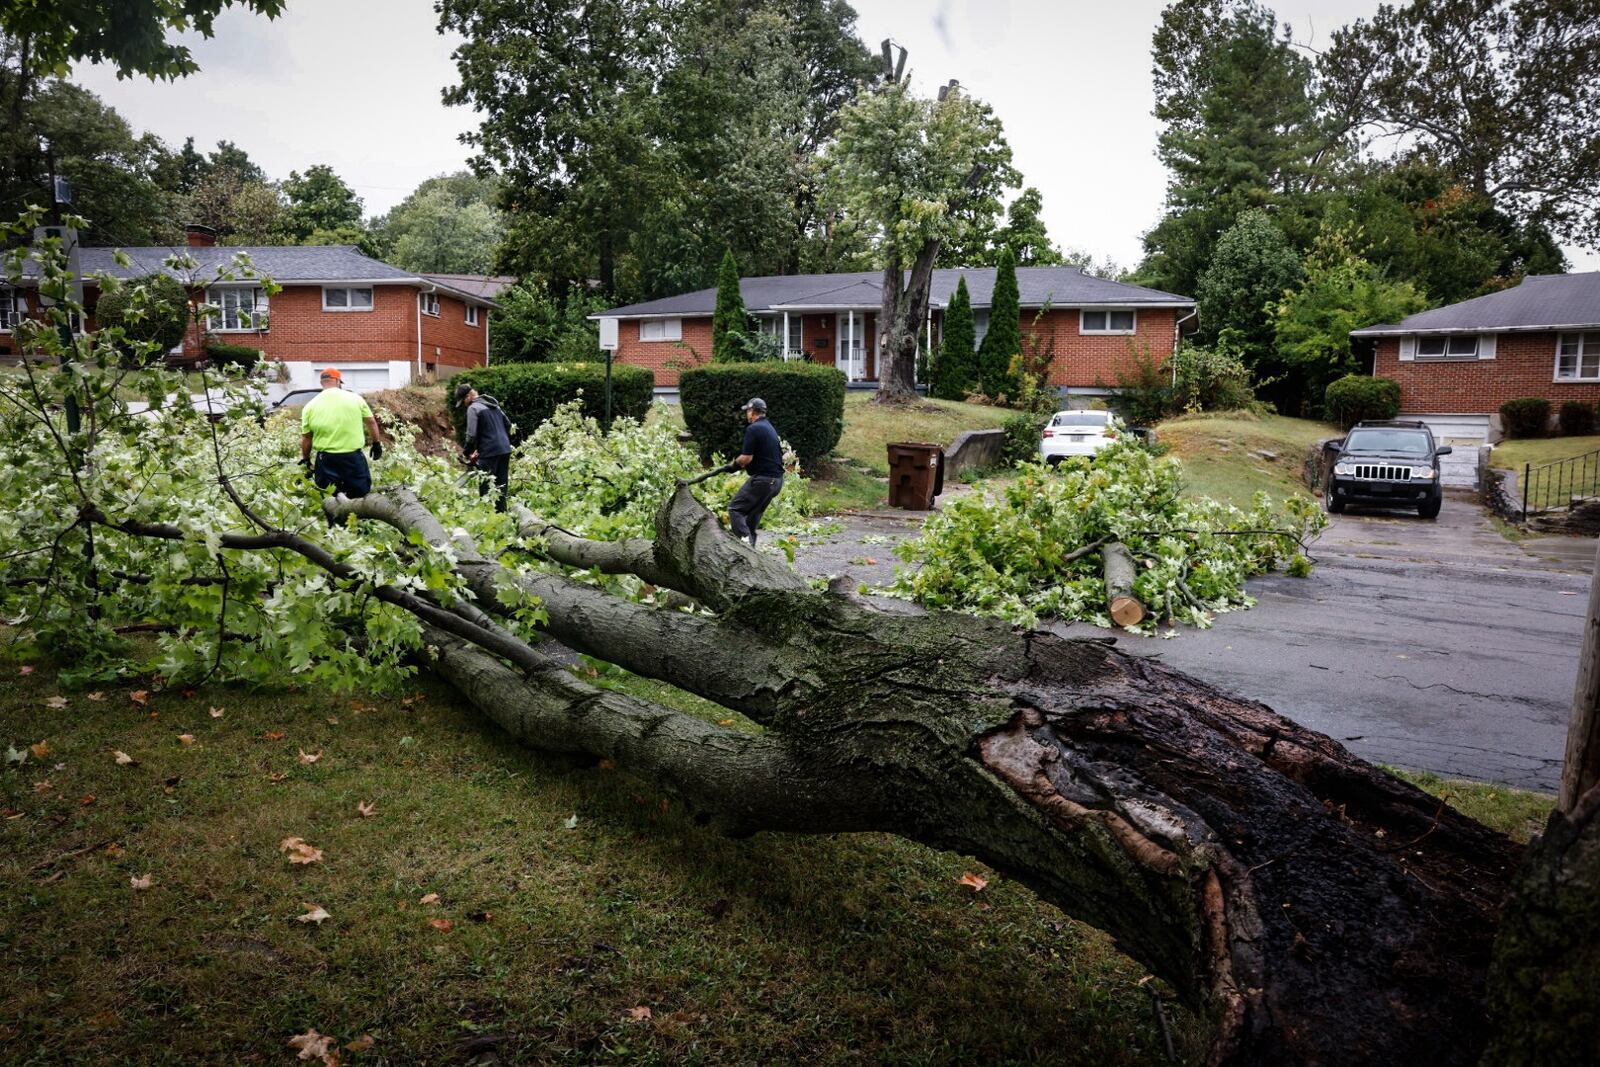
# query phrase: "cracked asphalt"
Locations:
[[1438, 646]]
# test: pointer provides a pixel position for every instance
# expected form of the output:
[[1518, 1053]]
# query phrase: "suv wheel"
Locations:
[[1430, 509], [1334, 505]]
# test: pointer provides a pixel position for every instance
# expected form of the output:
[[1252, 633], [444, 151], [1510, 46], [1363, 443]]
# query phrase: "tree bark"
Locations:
[[1311, 907], [1117, 567], [1581, 769]]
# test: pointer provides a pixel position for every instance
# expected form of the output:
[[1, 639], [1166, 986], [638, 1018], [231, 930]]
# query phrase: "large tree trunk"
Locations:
[[1313, 908], [902, 319]]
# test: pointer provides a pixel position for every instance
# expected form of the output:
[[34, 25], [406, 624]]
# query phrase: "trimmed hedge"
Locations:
[[529, 393], [1577, 418], [1357, 398], [1526, 416], [805, 402], [162, 323], [1022, 438], [225, 355]]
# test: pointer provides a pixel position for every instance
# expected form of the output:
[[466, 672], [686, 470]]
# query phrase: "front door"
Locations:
[[851, 356]]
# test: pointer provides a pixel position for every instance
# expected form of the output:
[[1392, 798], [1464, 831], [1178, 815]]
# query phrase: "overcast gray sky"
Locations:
[[355, 84]]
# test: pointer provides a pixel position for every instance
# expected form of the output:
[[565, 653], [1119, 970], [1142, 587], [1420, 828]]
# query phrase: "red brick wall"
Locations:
[[1524, 365], [665, 358], [458, 344], [299, 330], [1098, 359]]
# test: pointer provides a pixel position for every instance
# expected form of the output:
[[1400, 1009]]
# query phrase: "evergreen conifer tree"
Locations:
[[953, 374], [730, 317], [1003, 342]]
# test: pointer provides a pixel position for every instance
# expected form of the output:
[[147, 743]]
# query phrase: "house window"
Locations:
[[238, 309], [1578, 357], [472, 314], [343, 298], [660, 329], [1460, 346], [12, 308], [429, 303], [1106, 321], [774, 326], [980, 326]]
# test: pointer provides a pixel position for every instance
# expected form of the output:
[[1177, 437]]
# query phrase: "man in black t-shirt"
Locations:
[[762, 458]]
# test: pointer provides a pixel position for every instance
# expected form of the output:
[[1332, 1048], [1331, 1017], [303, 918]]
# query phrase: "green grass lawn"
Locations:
[[1557, 486], [1221, 454]]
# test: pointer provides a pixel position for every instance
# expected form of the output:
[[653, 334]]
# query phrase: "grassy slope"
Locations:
[[1217, 460], [1514, 454]]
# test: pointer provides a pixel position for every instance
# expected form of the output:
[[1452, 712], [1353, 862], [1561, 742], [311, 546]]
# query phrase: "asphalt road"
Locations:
[[1438, 645]]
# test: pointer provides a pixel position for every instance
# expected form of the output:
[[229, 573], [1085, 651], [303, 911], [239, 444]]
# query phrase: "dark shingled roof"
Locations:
[[282, 263], [482, 286], [1541, 302], [1059, 286]]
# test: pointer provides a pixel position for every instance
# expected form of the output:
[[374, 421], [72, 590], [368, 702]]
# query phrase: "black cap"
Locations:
[[755, 403], [461, 393]]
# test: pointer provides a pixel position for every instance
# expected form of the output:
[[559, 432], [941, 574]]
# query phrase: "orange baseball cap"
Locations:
[[332, 372]]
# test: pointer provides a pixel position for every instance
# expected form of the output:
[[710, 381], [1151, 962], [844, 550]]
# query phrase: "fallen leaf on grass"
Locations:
[[333, 720], [139, 696], [724, 722], [123, 759], [444, 926], [95, 696], [15, 754], [361, 1044], [310, 757], [57, 702], [25, 669], [272, 735], [142, 882], [570, 823], [366, 809], [42, 786], [316, 914], [299, 851], [41, 750], [216, 713], [186, 739], [429, 898], [113, 850], [11, 813], [969, 879], [276, 776], [313, 1045], [641, 1014], [87, 800]]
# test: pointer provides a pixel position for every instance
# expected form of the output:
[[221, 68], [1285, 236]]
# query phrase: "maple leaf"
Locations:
[[123, 759], [87, 799], [16, 755], [570, 823], [314, 914], [186, 739], [41, 750], [95, 696], [139, 696], [361, 1044], [313, 1045], [444, 926], [429, 898], [276, 776], [973, 881], [272, 735], [366, 809], [25, 670], [310, 757], [57, 702], [299, 851], [141, 882], [216, 713], [641, 1014]]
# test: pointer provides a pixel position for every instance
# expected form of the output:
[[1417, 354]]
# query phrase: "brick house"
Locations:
[[1094, 326], [380, 325], [1457, 364]]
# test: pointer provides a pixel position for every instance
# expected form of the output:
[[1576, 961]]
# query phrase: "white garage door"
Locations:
[[366, 377]]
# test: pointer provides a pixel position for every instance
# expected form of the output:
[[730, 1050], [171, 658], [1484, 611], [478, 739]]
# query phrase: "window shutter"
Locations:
[[1486, 345], [1408, 348]]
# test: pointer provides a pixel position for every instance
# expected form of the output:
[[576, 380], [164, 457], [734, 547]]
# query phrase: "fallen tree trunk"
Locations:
[[1312, 907], [1117, 567]]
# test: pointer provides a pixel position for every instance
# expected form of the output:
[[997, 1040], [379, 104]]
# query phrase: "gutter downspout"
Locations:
[[485, 337], [425, 287], [1177, 335]]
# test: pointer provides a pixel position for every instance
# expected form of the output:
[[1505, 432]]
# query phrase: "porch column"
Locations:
[[850, 347], [786, 337]]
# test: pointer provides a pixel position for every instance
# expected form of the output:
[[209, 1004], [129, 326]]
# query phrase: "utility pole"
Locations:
[[1581, 770]]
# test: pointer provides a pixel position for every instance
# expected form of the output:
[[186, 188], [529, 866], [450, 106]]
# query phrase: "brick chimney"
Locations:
[[200, 236]]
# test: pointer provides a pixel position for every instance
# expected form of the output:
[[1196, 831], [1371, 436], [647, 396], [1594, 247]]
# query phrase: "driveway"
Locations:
[[1438, 645]]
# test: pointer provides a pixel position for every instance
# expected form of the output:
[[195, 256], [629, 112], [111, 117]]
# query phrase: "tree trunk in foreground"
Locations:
[[1311, 907]]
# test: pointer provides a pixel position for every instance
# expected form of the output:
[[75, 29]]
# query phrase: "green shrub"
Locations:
[[805, 402], [1577, 418], [225, 355], [1022, 438], [1211, 378], [1144, 388], [152, 313], [1357, 398], [1526, 416], [529, 393]]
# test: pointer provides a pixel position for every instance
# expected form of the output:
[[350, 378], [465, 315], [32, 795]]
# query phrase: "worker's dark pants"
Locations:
[[750, 503], [499, 468], [345, 471]]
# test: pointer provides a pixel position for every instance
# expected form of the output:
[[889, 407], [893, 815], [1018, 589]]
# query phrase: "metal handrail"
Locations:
[[1565, 480]]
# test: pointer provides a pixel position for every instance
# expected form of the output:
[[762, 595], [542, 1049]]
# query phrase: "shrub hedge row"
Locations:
[[1577, 418], [805, 402], [1526, 416], [529, 393], [225, 355], [1356, 398]]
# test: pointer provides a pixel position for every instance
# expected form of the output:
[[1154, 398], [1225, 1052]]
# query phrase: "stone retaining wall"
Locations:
[[974, 448]]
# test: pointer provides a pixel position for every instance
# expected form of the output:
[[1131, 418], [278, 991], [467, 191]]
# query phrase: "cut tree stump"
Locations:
[[1117, 566]]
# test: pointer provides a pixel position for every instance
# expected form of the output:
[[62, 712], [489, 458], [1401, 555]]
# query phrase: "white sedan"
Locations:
[[1076, 433]]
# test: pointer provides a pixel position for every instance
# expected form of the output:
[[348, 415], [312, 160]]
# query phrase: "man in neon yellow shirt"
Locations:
[[336, 424]]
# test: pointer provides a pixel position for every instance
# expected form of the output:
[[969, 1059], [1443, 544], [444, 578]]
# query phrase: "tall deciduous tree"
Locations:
[[1025, 233], [1252, 266], [132, 35], [955, 369], [730, 321], [322, 208], [913, 173], [448, 225], [1002, 342]]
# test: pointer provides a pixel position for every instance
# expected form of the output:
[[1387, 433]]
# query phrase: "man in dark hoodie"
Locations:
[[488, 442]]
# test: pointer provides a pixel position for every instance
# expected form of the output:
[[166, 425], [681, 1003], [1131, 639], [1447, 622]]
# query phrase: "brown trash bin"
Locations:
[[916, 475]]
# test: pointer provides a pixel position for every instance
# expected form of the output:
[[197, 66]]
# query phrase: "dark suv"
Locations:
[[1390, 464]]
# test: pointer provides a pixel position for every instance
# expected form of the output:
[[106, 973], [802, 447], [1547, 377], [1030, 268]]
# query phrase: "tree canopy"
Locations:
[[447, 225]]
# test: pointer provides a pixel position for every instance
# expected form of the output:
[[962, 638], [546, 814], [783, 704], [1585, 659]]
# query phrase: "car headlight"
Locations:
[[1345, 469], [1422, 473]]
